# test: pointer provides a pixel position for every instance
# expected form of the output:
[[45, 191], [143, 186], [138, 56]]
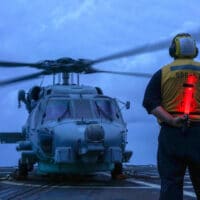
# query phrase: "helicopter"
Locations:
[[72, 128]]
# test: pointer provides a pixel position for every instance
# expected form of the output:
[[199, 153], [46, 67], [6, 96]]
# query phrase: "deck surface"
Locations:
[[143, 183]]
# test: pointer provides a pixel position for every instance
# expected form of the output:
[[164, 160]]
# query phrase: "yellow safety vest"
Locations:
[[176, 78]]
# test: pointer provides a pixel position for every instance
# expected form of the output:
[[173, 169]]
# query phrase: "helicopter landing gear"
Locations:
[[22, 172], [117, 172]]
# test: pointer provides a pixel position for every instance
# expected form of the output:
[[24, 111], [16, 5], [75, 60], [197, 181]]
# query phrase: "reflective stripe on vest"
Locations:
[[176, 77]]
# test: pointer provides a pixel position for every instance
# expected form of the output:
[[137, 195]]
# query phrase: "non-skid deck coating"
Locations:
[[142, 183]]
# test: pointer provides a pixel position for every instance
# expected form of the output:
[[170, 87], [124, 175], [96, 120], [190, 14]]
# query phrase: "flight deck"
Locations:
[[142, 183]]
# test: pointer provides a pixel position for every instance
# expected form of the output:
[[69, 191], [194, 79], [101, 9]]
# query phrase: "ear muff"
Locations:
[[176, 49], [197, 52], [172, 50]]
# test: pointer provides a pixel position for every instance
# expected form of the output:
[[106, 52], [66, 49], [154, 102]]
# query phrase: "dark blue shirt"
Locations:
[[152, 96]]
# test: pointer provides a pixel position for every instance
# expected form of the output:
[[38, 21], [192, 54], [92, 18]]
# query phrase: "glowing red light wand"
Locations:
[[188, 97], [189, 90]]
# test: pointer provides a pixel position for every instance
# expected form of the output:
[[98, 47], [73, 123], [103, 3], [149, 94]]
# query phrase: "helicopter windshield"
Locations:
[[83, 109], [93, 109], [105, 109], [57, 109]]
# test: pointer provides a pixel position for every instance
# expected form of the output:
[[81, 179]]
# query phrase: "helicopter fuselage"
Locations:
[[74, 129]]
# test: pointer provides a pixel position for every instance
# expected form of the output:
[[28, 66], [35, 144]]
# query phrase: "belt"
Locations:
[[192, 124]]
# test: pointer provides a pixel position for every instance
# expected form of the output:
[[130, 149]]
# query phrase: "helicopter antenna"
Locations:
[[59, 78], [72, 78], [78, 79], [42, 81], [53, 78], [65, 77]]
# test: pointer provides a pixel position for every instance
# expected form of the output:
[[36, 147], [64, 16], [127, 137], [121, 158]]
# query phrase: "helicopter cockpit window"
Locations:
[[57, 109], [105, 109], [83, 109]]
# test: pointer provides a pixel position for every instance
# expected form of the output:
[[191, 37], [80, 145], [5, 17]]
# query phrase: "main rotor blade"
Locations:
[[147, 48], [145, 75], [18, 64], [22, 78], [45, 64]]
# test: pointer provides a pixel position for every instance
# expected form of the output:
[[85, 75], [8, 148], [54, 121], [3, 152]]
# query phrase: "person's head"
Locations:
[[183, 46]]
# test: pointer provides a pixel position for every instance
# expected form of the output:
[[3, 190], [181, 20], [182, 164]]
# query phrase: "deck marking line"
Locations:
[[153, 185], [187, 182], [188, 187], [78, 187]]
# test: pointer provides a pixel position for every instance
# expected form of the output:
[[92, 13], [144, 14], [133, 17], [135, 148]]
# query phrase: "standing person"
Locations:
[[173, 97]]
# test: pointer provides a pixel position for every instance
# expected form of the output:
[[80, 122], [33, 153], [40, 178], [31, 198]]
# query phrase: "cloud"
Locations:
[[63, 14]]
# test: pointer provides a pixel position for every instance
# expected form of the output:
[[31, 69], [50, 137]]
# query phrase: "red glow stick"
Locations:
[[189, 91], [188, 99]]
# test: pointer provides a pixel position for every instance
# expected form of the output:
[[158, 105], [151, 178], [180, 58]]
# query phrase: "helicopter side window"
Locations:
[[105, 110], [57, 109], [82, 109]]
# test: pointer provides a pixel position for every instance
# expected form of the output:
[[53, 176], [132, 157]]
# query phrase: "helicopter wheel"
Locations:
[[22, 172], [30, 167], [117, 172]]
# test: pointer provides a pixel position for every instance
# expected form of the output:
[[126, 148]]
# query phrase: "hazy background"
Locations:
[[37, 30]]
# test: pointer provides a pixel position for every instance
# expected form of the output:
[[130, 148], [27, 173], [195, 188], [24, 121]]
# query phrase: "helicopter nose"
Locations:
[[93, 141], [94, 133]]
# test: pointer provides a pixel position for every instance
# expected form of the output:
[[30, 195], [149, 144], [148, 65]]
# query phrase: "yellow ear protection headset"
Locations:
[[183, 46]]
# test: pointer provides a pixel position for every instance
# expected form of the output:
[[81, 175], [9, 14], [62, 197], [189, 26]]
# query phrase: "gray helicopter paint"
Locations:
[[74, 145], [72, 89], [68, 142]]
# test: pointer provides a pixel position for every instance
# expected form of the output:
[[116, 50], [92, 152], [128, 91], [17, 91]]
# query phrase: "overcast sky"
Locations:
[[37, 30]]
